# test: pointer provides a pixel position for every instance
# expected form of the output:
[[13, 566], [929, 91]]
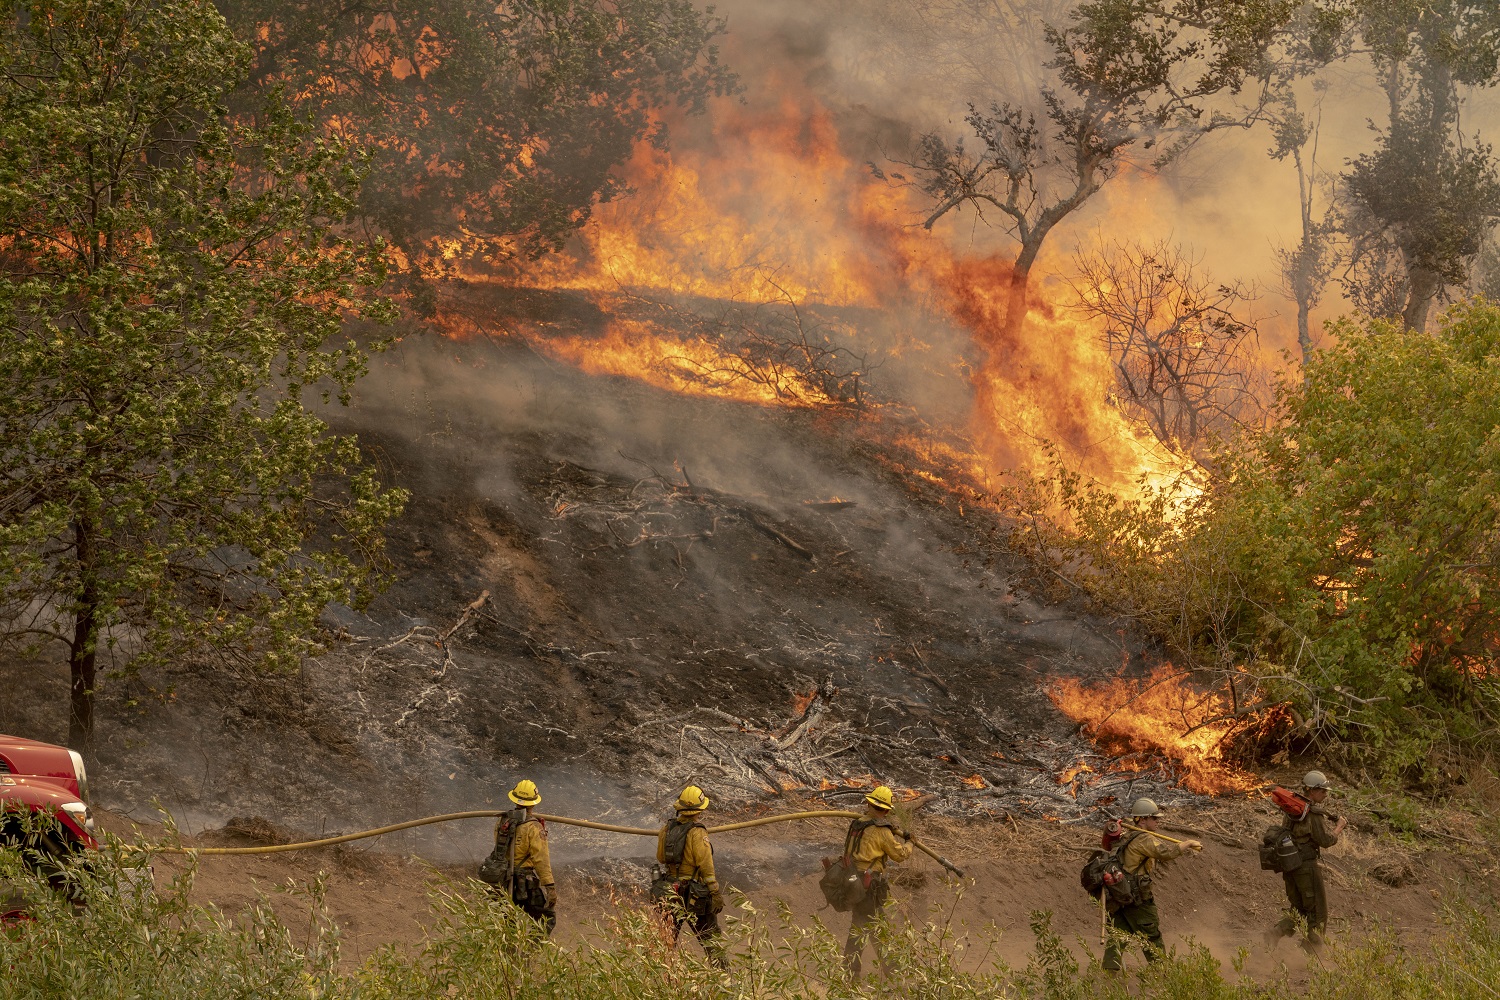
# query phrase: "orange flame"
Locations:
[[1163, 716], [975, 781], [1066, 778], [774, 208]]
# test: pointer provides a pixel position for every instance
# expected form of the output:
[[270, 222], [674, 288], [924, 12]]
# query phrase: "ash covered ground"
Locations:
[[778, 604]]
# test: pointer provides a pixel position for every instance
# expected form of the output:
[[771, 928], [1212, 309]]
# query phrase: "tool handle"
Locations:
[[1104, 916], [1159, 836]]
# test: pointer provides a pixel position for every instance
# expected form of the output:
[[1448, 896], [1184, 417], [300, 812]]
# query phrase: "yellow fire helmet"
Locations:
[[1144, 809], [881, 798], [692, 799], [525, 793]]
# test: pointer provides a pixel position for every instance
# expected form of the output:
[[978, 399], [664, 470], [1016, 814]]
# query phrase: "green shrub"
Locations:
[[147, 945], [1345, 561]]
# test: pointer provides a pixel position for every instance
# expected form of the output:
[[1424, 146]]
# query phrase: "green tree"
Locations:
[[493, 128], [1420, 205], [1134, 79], [1369, 523], [1348, 559], [171, 292]]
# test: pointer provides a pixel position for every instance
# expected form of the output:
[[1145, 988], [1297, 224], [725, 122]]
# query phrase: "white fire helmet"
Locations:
[[1315, 779], [1144, 808]]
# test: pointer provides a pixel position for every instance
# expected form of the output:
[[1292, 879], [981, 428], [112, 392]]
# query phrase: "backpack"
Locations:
[[843, 885], [667, 888], [1104, 872], [498, 869], [1278, 851]]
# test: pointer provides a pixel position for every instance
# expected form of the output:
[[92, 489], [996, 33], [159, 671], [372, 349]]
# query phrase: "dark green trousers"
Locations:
[[705, 927], [1140, 920], [864, 914], [1307, 899]]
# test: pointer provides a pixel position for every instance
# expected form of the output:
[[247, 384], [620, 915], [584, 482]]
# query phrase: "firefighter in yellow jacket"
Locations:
[[688, 888], [1139, 853], [871, 843], [531, 884]]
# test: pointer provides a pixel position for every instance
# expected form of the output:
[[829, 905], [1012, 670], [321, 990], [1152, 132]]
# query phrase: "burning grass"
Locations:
[[1161, 715]]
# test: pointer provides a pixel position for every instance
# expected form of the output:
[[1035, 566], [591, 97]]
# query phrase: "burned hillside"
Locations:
[[617, 589]]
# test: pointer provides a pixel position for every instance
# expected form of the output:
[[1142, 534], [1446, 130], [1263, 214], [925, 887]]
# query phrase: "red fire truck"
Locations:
[[40, 780]]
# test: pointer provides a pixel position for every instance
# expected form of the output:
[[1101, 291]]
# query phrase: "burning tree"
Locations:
[[492, 129], [1183, 358], [1131, 74], [171, 291], [1346, 559]]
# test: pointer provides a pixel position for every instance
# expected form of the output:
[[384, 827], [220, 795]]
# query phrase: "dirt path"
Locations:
[[1219, 898]]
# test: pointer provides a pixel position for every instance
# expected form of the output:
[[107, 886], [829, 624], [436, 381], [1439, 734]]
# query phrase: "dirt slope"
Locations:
[[669, 580], [614, 591]]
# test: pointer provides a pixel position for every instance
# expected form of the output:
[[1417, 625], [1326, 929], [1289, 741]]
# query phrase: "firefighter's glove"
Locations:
[[550, 891], [1192, 845], [906, 835], [716, 902]]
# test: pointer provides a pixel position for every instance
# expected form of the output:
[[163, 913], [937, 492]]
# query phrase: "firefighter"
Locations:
[[1139, 853], [683, 849], [1305, 895], [871, 843], [532, 887]]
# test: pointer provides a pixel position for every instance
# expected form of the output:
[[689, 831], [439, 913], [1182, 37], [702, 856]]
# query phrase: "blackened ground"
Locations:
[[669, 581]]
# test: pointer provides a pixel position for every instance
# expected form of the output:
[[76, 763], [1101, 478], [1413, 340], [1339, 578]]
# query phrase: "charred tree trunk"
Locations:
[[83, 649], [1017, 305], [1017, 309], [1302, 281]]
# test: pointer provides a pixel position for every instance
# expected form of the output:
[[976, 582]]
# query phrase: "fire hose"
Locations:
[[564, 820]]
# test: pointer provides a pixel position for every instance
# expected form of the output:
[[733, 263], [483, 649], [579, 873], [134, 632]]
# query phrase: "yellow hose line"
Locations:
[[330, 841], [564, 820]]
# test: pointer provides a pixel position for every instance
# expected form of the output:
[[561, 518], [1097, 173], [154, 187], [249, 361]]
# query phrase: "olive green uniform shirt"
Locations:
[[1312, 833]]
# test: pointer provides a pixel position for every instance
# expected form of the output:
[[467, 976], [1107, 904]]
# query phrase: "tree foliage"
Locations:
[[171, 292], [1349, 556], [1421, 203], [492, 128], [1129, 75]]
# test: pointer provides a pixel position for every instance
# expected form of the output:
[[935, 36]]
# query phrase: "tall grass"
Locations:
[[141, 944]]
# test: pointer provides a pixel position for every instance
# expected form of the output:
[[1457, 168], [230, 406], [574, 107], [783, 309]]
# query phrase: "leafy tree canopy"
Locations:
[[493, 128], [1349, 557], [1419, 206], [171, 291]]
